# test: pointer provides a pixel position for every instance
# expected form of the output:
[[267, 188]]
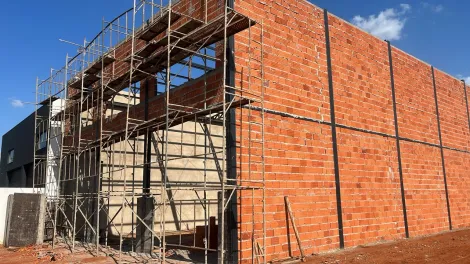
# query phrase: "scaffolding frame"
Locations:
[[168, 45]]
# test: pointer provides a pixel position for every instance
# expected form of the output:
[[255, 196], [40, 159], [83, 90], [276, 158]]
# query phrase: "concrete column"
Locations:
[[145, 210]]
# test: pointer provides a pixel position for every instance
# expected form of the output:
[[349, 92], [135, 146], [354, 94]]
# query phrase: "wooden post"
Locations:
[[302, 255]]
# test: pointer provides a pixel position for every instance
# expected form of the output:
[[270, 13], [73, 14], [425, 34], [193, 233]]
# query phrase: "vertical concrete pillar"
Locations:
[[145, 204], [144, 237], [220, 211]]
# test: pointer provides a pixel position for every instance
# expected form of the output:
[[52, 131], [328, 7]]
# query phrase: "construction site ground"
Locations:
[[449, 247]]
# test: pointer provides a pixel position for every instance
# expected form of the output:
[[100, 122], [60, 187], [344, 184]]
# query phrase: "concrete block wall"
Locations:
[[185, 166], [299, 146], [4, 193]]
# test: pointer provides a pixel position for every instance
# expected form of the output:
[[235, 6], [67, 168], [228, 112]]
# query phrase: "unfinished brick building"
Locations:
[[367, 142]]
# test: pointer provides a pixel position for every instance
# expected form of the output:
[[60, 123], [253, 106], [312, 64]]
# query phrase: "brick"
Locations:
[[424, 189], [298, 153], [369, 163], [457, 168], [416, 108], [452, 112]]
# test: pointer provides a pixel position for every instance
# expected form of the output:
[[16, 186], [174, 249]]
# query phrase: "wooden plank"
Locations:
[[88, 80], [148, 49], [183, 29], [157, 26], [302, 255], [97, 65]]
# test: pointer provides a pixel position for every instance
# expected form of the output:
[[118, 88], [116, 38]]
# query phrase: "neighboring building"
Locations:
[[16, 169], [17, 154]]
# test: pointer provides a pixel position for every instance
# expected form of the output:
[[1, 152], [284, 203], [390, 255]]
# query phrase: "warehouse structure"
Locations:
[[260, 130]]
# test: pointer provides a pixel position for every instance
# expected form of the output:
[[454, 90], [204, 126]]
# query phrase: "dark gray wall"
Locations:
[[21, 139]]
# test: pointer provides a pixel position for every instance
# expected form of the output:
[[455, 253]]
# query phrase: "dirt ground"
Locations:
[[87, 254], [449, 247]]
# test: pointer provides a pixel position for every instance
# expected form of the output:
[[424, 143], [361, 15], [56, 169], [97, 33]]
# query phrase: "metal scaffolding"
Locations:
[[106, 146]]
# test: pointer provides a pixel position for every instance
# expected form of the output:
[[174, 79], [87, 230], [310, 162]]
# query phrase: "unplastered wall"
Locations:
[[189, 162], [299, 160], [299, 144]]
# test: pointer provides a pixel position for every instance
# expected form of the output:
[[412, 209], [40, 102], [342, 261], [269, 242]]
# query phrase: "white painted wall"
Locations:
[[4, 192], [53, 150]]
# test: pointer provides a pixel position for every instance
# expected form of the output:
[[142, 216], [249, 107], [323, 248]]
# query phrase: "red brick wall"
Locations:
[[299, 164], [453, 115], [361, 78], [370, 186], [299, 161], [468, 95], [295, 58], [415, 98], [424, 189], [457, 168], [371, 196]]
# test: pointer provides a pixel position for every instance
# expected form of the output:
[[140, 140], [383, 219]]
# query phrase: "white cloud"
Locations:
[[405, 7], [16, 103], [466, 79], [388, 24], [438, 8], [434, 8]]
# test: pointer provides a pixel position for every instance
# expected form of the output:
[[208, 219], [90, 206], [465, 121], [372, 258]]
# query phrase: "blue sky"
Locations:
[[434, 31]]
